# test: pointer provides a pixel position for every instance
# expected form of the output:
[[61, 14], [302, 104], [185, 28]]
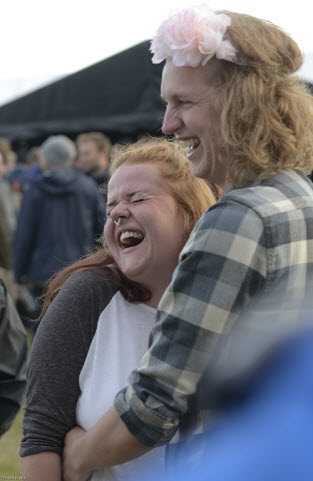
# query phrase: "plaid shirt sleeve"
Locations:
[[222, 266]]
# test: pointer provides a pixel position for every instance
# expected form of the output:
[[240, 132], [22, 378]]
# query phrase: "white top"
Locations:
[[120, 341]]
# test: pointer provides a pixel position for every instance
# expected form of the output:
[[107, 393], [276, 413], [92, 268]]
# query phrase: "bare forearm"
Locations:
[[46, 465], [108, 443]]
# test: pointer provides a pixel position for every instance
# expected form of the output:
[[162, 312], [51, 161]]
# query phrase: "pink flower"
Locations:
[[192, 36]]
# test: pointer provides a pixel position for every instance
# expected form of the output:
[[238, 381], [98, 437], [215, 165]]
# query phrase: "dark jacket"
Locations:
[[13, 359], [61, 216]]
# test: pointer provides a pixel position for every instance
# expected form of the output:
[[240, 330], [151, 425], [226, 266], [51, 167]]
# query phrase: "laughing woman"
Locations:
[[98, 312]]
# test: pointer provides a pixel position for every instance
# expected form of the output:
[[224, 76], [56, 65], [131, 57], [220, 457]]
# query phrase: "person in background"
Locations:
[[15, 171], [8, 213], [33, 164], [233, 99], [21, 174], [6, 149], [97, 327], [13, 360], [93, 155], [5, 243], [60, 218]]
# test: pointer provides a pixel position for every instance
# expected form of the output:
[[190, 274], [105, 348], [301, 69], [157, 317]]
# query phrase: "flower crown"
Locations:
[[192, 36]]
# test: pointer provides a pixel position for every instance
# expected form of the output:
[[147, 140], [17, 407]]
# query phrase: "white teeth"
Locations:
[[190, 143], [127, 234]]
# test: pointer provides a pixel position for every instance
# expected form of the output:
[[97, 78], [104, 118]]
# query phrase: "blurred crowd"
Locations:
[[52, 212]]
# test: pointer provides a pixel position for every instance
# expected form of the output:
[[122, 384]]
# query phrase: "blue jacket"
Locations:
[[61, 215]]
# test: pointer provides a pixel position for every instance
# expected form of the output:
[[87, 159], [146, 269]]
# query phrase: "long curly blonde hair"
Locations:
[[266, 112]]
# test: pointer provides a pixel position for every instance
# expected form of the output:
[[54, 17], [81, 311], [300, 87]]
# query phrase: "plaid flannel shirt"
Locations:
[[254, 242]]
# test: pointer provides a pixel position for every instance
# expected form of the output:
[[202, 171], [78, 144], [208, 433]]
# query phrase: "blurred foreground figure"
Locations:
[[264, 426], [13, 354], [60, 218]]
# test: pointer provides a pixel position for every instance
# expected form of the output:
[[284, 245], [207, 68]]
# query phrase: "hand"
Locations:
[[72, 468]]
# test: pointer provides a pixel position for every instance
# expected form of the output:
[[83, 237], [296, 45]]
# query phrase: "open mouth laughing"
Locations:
[[191, 144], [130, 238]]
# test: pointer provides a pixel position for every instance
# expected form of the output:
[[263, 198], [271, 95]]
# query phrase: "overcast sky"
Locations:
[[41, 40]]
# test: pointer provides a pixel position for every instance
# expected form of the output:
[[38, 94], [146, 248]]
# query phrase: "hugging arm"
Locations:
[[199, 305], [46, 465], [84, 452]]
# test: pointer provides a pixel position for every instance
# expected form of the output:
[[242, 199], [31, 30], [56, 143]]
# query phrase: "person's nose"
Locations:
[[171, 122], [120, 211]]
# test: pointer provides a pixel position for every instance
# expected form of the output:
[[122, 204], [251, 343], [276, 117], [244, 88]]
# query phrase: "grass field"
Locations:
[[9, 449]]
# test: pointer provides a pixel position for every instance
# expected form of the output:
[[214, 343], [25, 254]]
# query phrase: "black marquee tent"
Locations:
[[119, 96]]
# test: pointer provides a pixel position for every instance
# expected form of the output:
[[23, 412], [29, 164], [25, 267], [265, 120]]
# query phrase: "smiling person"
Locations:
[[96, 328], [232, 96]]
